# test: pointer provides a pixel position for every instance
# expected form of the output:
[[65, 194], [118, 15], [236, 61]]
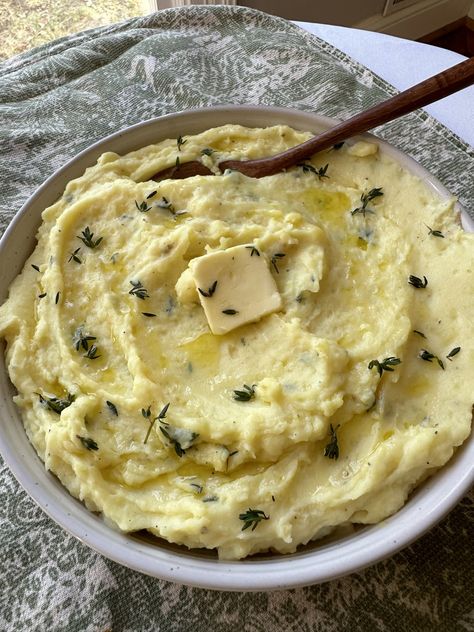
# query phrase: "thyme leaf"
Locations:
[[152, 194], [435, 233], [207, 151], [74, 256], [453, 352], [88, 443], [35, 267], [230, 312], [56, 298], [417, 282], [419, 333], [338, 145], [332, 448], [274, 259], [112, 408], [166, 204], [92, 353], [385, 365], [427, 356], [246, 394], [88, 238], [149, 314], [143, 206], [56, 404], [253, 251], [209, 292], [138, 290], [307, 168], [42, 295], [252, 517], [365, 198], [180, 142]]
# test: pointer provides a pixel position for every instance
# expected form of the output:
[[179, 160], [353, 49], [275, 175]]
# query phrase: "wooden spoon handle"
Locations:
[[428, 91]]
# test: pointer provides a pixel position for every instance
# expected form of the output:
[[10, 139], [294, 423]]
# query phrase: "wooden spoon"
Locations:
[[437, 87]]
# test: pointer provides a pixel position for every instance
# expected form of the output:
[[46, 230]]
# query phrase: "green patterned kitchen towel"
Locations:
[[59, 98]]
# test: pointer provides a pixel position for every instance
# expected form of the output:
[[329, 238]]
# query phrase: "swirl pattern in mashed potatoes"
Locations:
[[104, 328]]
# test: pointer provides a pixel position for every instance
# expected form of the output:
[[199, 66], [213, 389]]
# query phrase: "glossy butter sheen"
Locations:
[[345, 301]]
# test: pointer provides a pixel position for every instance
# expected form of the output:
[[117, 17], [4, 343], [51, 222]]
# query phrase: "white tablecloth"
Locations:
[[404, 63]]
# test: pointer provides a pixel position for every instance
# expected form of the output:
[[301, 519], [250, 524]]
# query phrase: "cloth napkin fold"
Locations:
[[59, 98]]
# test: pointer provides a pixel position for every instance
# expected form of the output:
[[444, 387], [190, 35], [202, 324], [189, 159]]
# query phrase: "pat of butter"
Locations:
[[235, 287]]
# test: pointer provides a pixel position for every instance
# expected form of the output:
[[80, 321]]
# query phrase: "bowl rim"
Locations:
[[429, 503]]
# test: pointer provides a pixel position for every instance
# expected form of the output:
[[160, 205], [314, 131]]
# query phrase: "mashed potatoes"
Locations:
[[327, 411]]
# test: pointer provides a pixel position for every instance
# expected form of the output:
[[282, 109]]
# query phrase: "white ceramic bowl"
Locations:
[[313, 563]]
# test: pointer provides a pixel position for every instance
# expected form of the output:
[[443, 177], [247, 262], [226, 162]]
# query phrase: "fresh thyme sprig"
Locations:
[[231, 454], [56, 404], [453, 352], [80, 339], [180, 142], [209, 292], [88, 238], [332, 448], [365, 198], [385, 365], [147, 414], [417, 282], [274, 259], [74, 256], [427, 356], [435, 233], [321, 172], [180, 438], [138, 290], [88, 443], [246, 394], [253, 251], [252, 518], [419, 333]]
